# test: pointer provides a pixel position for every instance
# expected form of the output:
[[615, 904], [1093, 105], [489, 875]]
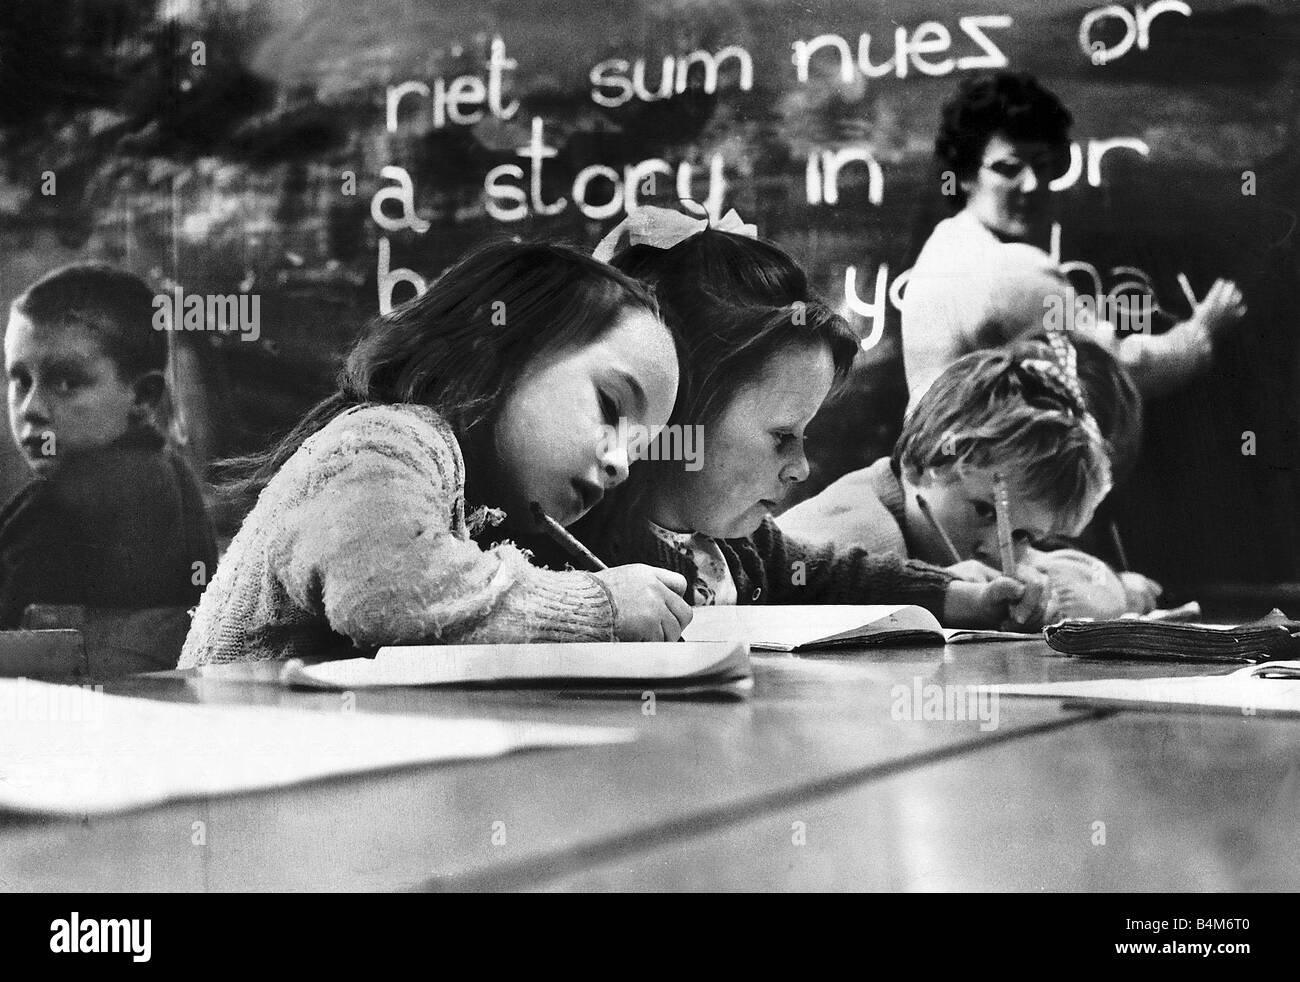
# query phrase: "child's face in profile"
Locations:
[[557, 434], [65, 394], [753, 453], [963, 505]]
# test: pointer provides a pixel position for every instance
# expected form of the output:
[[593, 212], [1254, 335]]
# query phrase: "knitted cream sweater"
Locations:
[[361, 539]]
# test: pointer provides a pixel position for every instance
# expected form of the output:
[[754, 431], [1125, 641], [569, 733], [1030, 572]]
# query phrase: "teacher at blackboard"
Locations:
[[981, 280]]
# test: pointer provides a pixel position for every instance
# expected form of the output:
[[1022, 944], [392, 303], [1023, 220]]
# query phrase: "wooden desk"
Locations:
[[708, 795], [1186, 803]]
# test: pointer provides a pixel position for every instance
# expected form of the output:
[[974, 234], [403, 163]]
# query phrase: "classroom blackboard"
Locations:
[[324, 157]]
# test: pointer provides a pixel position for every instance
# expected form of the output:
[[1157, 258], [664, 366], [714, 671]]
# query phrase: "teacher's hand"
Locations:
[[1221, 309]]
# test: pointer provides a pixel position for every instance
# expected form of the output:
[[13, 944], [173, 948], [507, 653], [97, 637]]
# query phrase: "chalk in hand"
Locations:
[[1186, 287]]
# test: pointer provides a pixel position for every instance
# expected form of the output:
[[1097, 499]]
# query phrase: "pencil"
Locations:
[[1118, 543], [566, 541], [953, 556], [1002, 509], [572, 546]]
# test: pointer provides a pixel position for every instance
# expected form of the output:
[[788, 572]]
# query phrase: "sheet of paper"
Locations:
[[1244, 691], [783, 627], [66, 750], [1189, 611], [523, 663]]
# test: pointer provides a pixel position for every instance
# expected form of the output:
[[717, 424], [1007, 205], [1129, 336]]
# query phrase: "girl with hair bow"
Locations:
[[759, 356]]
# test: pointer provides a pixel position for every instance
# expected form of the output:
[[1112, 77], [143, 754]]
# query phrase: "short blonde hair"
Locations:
[[1002, 408]]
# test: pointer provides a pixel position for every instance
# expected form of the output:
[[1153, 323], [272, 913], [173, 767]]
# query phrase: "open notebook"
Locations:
[[68, 750], [580, 664], [804, 627], [1270, 688]]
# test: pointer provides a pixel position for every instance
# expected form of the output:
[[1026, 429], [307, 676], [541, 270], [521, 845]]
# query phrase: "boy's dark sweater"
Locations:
[[767, 567], [120, 526]]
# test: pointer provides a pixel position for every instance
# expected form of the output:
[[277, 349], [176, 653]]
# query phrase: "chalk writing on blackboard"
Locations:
[[507, 201], [1127, 303], [615, 83], [929, 38], [1137, 28], [461, 100], [514, 191]]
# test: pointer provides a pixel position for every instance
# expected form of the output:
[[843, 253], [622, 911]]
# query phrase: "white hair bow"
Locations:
[[664, 228]]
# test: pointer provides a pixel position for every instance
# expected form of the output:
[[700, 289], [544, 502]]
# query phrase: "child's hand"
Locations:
[[1030, 612], [1141, 592], [1001, 601], [648, 604], [973, 571]]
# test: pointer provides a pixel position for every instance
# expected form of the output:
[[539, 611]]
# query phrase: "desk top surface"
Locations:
[[712, 792]]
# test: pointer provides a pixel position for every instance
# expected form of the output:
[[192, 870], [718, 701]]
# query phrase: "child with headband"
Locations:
[[1013, 411]]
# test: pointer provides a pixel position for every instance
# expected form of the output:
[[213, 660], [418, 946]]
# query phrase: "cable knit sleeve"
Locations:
[[371, 544], [801, 573], [361, 536]]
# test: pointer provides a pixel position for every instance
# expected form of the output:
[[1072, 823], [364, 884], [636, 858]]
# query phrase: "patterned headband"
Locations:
[[1067, 358], [1066, 383]]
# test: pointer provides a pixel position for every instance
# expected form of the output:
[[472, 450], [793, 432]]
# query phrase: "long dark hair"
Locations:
[[461, 345]]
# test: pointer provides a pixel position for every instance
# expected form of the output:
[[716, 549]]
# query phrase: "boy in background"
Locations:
[[1012, 411], [114, 517]]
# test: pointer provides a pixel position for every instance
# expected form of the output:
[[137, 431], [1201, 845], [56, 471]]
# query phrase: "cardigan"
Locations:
[[864, 507], [360, 540], [771, 567], [119, 526]]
